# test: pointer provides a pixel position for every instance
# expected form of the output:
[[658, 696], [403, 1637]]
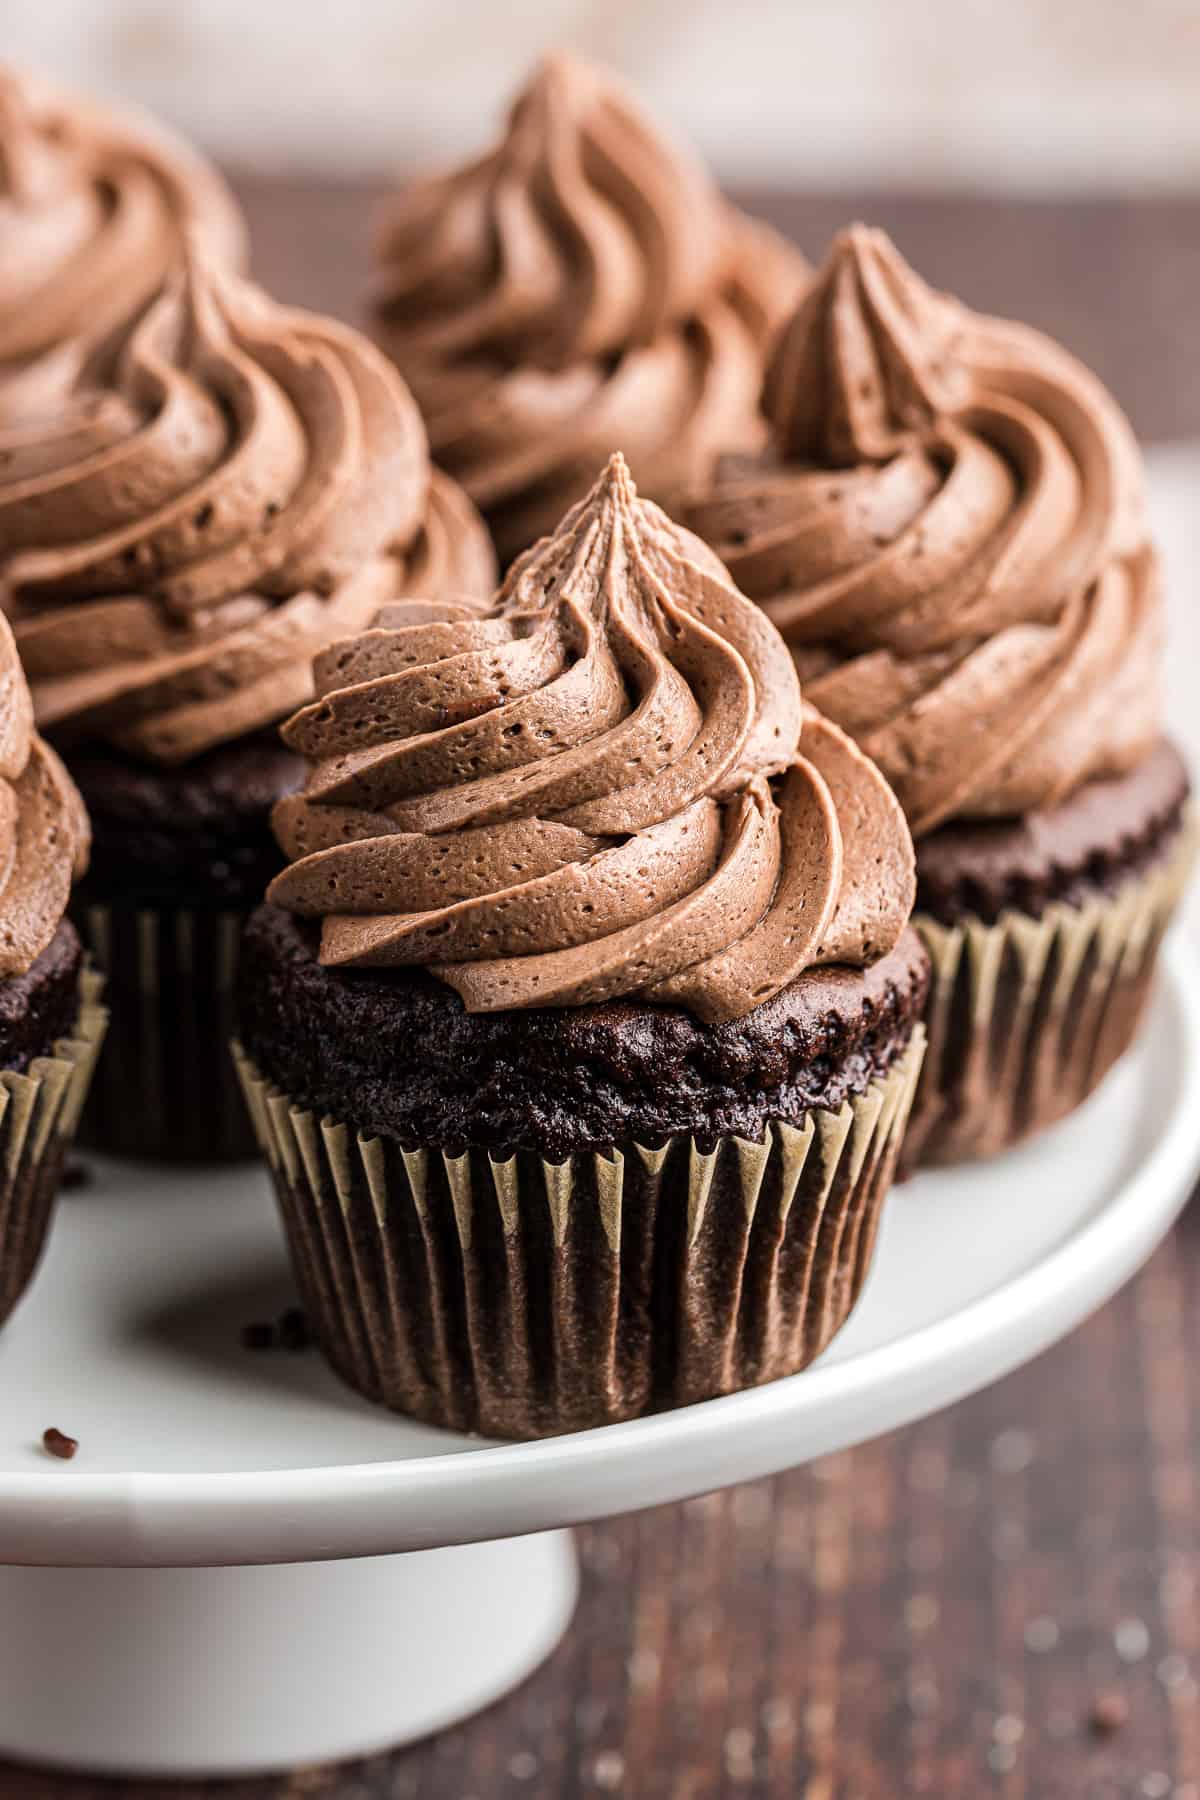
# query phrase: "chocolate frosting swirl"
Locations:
[[581, 288], [44, 834], [94, 208], [590, 789], [950, 533], [234, 484]]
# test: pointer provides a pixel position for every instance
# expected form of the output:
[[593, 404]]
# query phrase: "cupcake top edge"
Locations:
[[230, 483], [44, 833], [950, 531], [603, 784]]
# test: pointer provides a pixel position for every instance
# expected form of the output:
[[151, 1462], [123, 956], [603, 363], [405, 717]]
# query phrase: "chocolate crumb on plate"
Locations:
[[57, 1443], [295, 1332], [1109, 1713], [291, 1331], [75, 1175]]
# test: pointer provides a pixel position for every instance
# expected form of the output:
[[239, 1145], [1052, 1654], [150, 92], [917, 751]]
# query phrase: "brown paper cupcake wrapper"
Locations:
[[39, 1116], [522, 1298], [166, 1086], [1025, 1017]]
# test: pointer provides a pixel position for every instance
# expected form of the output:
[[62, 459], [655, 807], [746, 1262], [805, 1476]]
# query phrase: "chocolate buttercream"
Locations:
[[44, 834], [590, 790], [94, 208], [233, 484], [581, 288], [950, 534]]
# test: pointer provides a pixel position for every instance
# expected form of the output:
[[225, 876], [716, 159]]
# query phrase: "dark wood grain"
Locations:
[[939, 1612]]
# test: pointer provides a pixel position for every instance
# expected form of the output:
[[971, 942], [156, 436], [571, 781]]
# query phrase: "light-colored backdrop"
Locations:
[[1001, 93]]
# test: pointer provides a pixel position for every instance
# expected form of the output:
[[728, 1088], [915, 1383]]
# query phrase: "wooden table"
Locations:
[[1002, 1600]]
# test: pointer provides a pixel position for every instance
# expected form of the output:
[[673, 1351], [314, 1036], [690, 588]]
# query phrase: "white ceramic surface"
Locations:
[[195, 1451], [193, 1672]]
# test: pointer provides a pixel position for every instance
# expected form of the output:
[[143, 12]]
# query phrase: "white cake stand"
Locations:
[[182, 1599]]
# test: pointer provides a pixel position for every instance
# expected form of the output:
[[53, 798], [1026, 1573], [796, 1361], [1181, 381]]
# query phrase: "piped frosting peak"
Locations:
[[871, 357], [580, 234], [580, 288], [233, 483], [94, 206], [950, 531], [591, 789]]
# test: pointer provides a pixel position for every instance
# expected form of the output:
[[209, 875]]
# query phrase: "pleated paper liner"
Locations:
[[166, 1086], [522, 1298], [1025, 1017], [39, 1116]]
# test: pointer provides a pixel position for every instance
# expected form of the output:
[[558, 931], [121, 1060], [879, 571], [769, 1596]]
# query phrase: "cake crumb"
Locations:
[[75, 1175], [290, 1331], [293, 1330], [1109, 1713], [57, 1443]]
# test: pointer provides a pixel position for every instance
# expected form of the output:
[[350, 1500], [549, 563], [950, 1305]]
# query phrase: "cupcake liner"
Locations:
[[1025, 1017], [166, 1086], [39, 1116], [520, 1298]]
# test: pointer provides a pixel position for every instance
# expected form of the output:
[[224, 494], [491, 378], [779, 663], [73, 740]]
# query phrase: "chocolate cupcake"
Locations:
[[581, 1030], [949, 531], [51, 1021], [95, 204], [580, 289], [233, 485]]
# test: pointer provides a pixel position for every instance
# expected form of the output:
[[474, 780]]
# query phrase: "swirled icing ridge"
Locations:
[[44, 834], [591, 789], [951, 536], [581, 233], [94, 208], [234, 483], [579, 289]]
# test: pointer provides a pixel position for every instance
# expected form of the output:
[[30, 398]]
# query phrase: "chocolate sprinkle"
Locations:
[[291, 1331], [294, 1330], [57, 1443]]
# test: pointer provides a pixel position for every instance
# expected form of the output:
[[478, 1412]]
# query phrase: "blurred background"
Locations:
[[1031, 95]]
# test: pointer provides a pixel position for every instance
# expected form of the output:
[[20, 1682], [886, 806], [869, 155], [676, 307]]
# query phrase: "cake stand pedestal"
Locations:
[[202, 1671], [246, 1567]]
